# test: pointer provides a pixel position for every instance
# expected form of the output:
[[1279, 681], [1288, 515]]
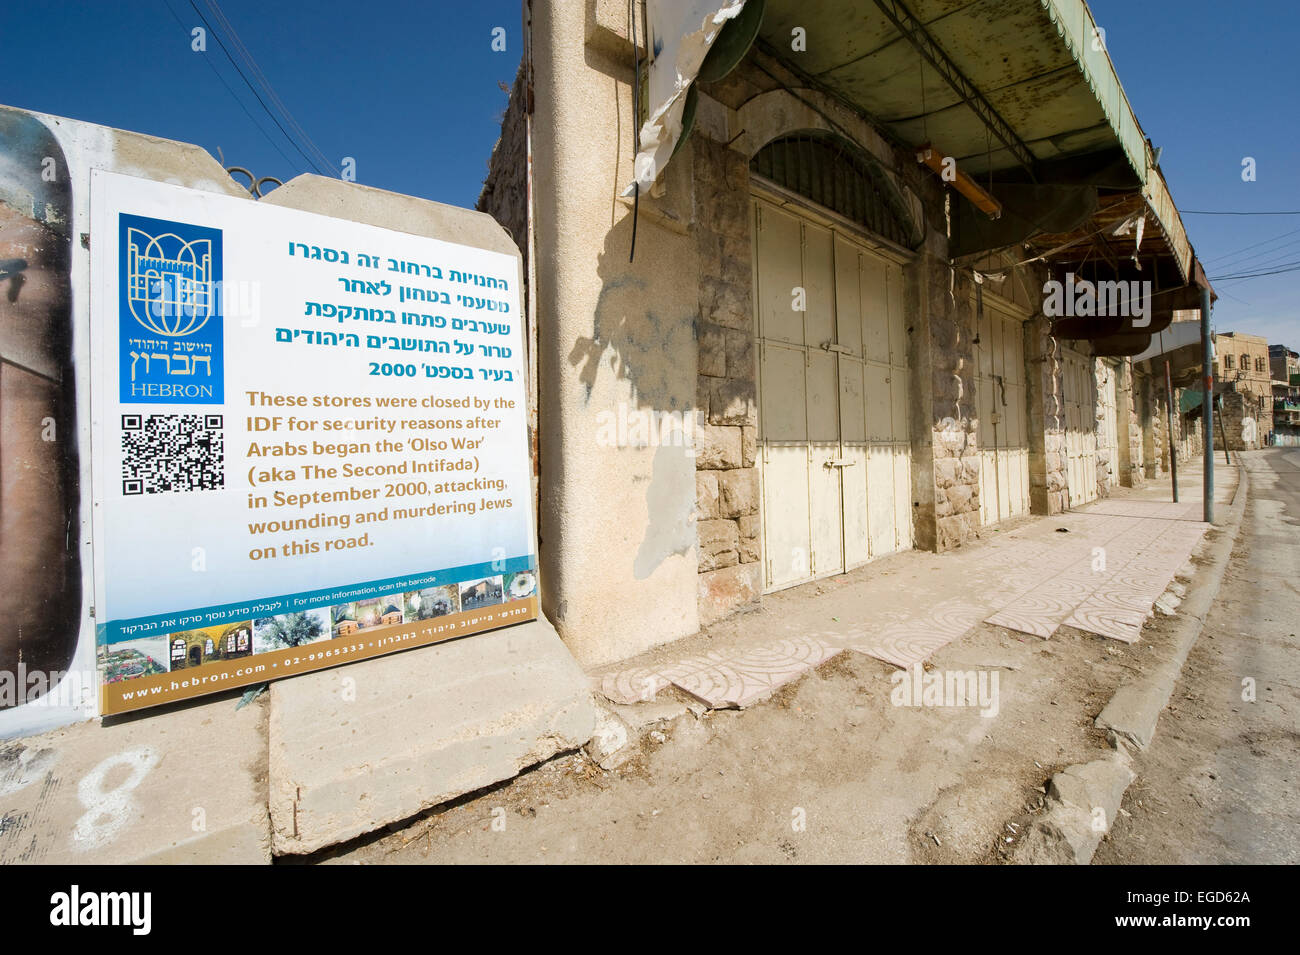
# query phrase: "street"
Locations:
[[1217, 785], [836, 765]]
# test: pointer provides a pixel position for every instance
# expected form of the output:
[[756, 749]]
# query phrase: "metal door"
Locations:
[[1108, 423], [835, 462], [1003, 429], [1080, 398]]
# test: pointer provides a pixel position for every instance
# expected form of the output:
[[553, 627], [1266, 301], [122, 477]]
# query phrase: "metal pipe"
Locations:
[[1223, 432], [1207, 409], [1169, 426]]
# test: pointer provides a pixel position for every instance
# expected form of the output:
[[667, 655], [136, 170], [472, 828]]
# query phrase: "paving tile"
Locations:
[[1144, 543], [723, 680], [753, 675], [1032, 579], [909, 641]]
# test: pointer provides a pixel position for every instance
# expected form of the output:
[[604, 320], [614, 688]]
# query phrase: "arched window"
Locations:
[[839, 176]]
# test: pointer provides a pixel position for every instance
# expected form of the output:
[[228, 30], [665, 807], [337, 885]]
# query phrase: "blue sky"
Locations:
[[410, 91], [407, 88], [1213, 82]]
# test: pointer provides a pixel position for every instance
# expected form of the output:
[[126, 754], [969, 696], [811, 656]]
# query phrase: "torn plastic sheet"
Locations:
[[681, 32]]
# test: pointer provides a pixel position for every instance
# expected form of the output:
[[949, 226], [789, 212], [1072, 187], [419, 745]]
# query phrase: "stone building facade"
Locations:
[[1242, 367], [727, 494], [685, 533]]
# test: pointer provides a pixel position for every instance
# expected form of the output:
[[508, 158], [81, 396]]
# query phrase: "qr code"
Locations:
[[172, 452]]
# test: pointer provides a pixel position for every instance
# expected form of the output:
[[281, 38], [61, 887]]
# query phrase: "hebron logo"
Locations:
[[171, 346], [133, 909]]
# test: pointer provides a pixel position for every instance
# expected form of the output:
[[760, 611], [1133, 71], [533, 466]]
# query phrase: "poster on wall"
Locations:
[[310, 442], [40, 603]]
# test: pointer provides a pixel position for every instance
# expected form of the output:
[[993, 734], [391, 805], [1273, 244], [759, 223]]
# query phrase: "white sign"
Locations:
[[310, 440]]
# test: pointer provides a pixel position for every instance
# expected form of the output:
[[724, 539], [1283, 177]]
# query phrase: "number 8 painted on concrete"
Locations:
[[108, 813]]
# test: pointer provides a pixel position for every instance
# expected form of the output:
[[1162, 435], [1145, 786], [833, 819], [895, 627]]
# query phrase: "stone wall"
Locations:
[[948, 322], [1102, 370], [1144, 388], [1129, 420], [727, 429], [1237, 408], [1189, 432], [1159, 429], [505, 198], [505, 189], [1048, 493]]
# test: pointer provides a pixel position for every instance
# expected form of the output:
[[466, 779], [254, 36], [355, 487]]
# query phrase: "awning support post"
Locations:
[[1207, 408], [1169, 425]]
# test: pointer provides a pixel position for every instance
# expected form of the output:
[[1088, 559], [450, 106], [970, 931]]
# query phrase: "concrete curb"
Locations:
[[1084, 799]]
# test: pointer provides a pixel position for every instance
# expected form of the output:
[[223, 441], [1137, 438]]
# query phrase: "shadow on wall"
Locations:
[[639, 341], [634, 339], [40, 572], [953, 326]]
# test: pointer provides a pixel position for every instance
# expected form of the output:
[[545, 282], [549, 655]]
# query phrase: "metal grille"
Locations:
[[824, 170]]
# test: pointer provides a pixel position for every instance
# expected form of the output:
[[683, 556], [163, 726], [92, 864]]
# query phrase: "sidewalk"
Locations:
[[834, 767], [1099, 569]]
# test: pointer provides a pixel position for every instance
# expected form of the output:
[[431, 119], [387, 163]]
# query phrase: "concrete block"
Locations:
[[1134, 710], [392, 210], [719, 544], [732, 402], [609, 745], [750, 546], [182, 785], [706, 494], [355, 748], [722, 592], [607, 30], [738, 490], [1084, 800], [740, 355], [717, 447], [713, 351]]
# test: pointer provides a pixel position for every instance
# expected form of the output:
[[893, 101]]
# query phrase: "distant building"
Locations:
[[1285, 366], [1242, 368]]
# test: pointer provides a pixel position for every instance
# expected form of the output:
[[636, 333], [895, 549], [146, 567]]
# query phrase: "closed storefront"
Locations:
[[1108, 419], [1000, 401], [834, 458], [1080, 398]]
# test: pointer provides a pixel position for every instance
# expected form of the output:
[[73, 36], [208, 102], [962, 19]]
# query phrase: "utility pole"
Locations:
[[1207, 409], [1169, 426]]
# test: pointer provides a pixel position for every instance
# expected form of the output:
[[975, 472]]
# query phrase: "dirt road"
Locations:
[[1218, 783]]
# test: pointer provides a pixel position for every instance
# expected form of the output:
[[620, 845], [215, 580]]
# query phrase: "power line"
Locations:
[[1202, 212], [217, 36], [215, 8], [1263, 260], [1291, 267], [1233, 254], [217, 74], [1254, 262]]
